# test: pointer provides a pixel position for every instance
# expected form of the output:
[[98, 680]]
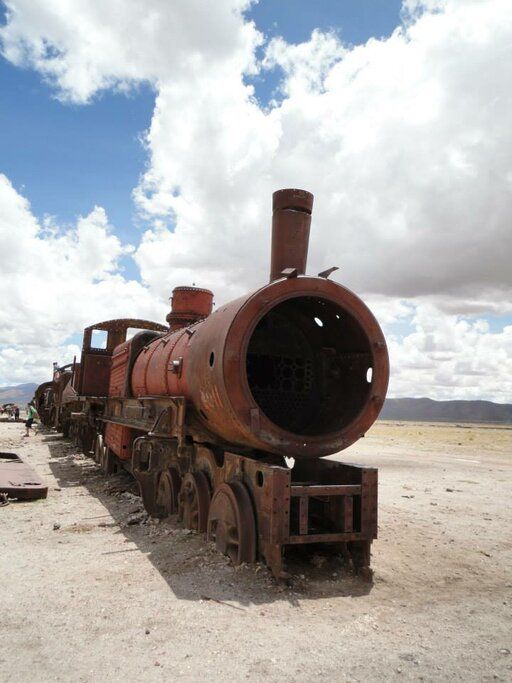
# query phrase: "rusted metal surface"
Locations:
[[169, 486], [231, 523], [291, 221], [189, 305], [123, 358], [154, 372], [44, 402], [120, 440], [283, 370], [18, 480], [326, 490], [84, 397], [257, 507], [50, 396], [194, 501], [94, 376]]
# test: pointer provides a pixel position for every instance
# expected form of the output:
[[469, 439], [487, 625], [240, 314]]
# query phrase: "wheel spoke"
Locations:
[[194, 501]]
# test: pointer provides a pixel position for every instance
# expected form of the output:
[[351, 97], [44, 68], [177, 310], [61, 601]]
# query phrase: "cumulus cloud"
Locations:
[[22, 363], [84, 46], [405, 142], [55, 281], [452, 357]]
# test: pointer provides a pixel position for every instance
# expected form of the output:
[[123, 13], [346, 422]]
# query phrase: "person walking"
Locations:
[[16, 413], [31, 416]]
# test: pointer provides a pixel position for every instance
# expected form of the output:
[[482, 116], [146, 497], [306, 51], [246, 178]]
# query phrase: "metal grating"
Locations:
[[281, 385]]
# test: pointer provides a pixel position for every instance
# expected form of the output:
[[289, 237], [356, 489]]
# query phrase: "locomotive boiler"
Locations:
[[225, 418]]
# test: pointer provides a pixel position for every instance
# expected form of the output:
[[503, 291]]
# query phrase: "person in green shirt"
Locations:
[[31, 416]]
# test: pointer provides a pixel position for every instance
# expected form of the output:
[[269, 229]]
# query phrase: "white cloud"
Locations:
[[55, 282], [21, 363], [83, 46], [405, 142], [449, 357], [306, 65]]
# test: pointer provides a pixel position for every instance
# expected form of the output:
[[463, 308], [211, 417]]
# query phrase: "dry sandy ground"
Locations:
[[85, 596]]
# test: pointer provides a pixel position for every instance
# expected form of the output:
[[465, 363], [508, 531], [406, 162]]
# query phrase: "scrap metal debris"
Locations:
[[18, 480]]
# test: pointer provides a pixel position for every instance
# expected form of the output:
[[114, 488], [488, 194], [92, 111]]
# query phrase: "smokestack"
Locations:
[[291, 220]]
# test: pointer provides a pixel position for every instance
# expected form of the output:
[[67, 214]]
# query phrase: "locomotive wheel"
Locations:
[[168, 491], [231, 523], [194, 501]]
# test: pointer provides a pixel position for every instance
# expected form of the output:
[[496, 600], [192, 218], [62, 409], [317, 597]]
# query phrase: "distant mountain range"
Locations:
[[414, 409], [20, 394], [426, 410]]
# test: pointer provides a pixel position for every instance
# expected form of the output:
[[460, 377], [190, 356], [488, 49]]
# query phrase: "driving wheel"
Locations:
[[231, 523], [194, 501], [168, 490]]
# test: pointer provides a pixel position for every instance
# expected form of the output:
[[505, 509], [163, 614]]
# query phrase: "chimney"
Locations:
[[188, 305], [291, 220]]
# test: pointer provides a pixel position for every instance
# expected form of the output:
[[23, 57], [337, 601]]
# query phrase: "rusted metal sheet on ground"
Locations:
[[18, 480]]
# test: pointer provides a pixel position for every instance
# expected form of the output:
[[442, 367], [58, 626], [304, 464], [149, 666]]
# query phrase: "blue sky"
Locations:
[[354, 20], [69, 157]]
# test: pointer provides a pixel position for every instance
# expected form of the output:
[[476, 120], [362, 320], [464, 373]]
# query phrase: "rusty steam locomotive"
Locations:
[[207, 412]]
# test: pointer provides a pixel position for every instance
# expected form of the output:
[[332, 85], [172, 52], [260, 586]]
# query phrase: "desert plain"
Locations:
[[92, 590]]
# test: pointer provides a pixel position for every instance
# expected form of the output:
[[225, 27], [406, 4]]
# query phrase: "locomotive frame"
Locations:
[[209, 444]]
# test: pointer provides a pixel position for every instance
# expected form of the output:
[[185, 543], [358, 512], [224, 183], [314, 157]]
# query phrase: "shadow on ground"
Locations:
[[192, 567]]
